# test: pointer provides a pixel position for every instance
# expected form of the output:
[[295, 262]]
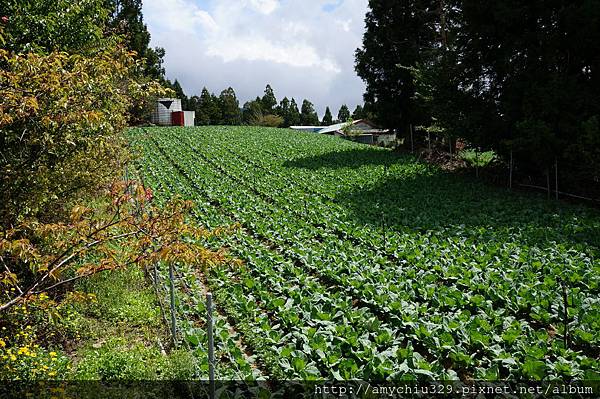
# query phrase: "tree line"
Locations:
[[225, 109], [520, 78]]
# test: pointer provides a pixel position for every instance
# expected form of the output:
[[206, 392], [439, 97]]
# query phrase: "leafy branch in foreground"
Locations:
[[125, 229]]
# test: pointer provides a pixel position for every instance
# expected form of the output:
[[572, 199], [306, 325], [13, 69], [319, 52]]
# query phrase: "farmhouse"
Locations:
[[168, 112], [361, 130]]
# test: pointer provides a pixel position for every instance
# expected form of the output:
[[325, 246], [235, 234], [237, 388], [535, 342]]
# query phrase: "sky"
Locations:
[[303, 48]]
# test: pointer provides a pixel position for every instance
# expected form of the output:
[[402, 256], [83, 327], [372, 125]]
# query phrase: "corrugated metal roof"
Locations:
[[332, 128]]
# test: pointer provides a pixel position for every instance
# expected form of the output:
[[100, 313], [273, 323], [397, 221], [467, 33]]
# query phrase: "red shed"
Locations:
[[177, 118]]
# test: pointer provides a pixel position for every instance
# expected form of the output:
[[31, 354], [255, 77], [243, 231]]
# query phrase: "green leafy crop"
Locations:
[[359, 263]]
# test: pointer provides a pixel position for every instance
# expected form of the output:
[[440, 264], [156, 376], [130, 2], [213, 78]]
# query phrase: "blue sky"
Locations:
[[303, 48]]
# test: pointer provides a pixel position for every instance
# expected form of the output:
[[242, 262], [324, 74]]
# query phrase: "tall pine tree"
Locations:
[[358, 113], [126, 19], [327, 118], [268, 101], [398, 33], [343, 114], [230, 107], [207, 109], [308, 115], [283, 110], [179, 93], [294, 114]]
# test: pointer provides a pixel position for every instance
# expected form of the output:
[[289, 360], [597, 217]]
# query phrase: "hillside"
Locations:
[[359, 263]]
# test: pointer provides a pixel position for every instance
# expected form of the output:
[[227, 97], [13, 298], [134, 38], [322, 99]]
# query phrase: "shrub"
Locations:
[[477, 159], [61, 120], [268, 121]]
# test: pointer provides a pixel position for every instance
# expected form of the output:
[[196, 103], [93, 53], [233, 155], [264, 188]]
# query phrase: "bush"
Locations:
[[268, 121], [477, 159], [62, 118]]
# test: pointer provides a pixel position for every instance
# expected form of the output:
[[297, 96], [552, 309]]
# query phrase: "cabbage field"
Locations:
[[360, 263]]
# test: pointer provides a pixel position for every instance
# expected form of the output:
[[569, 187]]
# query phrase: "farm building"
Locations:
[[360, 130], [168, 112], [313, 129]]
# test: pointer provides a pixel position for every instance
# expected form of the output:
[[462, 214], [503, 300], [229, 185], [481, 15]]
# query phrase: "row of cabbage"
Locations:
[[437, 296]]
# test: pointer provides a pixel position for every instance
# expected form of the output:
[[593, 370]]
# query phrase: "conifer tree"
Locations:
[[327, 118], [308, 115], [343, 114]]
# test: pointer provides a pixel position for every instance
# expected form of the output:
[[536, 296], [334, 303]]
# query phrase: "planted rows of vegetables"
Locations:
[[342, 261], [264, 292]]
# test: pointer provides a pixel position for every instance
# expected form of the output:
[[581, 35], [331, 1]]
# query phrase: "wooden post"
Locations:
[[211, 343], [172, 295], [565, 312]]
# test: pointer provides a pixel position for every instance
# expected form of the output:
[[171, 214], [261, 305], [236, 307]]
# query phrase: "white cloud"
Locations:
[[307, 51], [172, 16], [262, 49], [346, 25], [264, 6]]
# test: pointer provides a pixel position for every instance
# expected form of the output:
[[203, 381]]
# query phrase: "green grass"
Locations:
[[122, 332]]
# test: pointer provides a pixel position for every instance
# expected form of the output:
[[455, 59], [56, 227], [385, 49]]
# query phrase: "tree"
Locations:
[[179, 93], [252, 112], [397, 33], [516, 78], [358, 113], [327, 118], [283, 110], [123, 229], [268, 101], [343, 113], [54, 25], [61, 121], [294, 114], [126, 19], [308, 115], [230, 107], [207, 109]]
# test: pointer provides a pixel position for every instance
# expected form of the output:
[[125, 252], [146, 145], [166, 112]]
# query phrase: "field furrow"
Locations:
[[359, 263]]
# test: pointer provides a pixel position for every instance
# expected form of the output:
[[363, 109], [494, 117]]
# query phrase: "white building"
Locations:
[[360, 130], [168, 112]]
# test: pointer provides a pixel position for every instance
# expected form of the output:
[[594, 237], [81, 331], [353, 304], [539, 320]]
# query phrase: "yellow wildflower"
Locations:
[[2, 344], [13, 357], [52, 354]]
